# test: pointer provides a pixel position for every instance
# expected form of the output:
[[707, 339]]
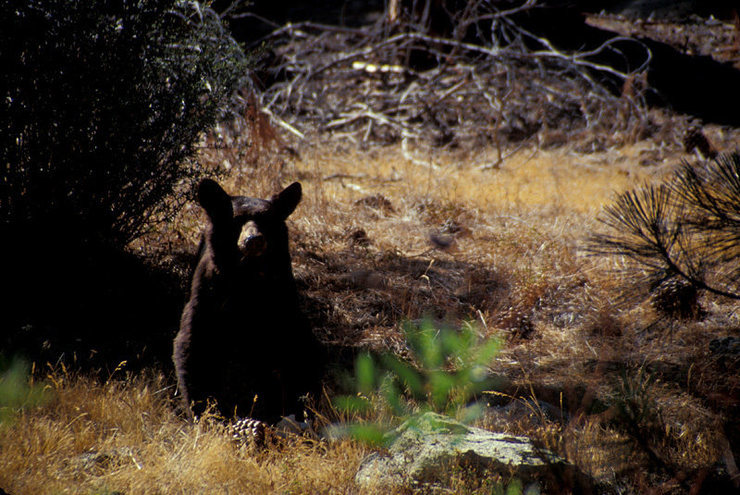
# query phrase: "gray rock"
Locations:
[[423, 445]]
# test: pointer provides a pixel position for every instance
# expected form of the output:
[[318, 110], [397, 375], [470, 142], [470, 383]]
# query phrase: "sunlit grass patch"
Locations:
[[125, 435]]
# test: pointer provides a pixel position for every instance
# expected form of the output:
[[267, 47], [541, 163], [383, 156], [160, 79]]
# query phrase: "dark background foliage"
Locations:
[[102, 104]]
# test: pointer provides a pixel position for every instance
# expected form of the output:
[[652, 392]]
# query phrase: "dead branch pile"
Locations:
[[394, 81]]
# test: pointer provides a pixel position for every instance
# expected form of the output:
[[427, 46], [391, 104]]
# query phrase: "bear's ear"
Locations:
[[285, 202], [215, 200]]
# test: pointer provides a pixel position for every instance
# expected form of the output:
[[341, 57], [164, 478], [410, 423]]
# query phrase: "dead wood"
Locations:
[[489, 81]]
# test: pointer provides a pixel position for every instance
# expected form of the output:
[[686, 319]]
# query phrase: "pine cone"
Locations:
[[516, 320], [676, 298], [248, 431]]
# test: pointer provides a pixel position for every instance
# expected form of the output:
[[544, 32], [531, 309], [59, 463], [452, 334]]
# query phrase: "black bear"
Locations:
[[243, 341]]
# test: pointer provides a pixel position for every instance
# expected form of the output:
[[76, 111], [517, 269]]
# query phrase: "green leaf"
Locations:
[[424, 344], [442, 385], [515, 487], [485, 352], [365, 373], [352, 404], [405, 374], [393, 397], [371, 434], [16, 393]]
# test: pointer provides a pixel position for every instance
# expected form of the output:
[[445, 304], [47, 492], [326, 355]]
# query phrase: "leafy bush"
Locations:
[[102, 103], [446, 370], [684, 231]]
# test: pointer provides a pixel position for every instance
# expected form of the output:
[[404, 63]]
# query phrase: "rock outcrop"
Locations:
[[423, 446]]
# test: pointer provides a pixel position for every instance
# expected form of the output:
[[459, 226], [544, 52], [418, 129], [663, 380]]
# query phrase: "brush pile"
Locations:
[[483, 81]]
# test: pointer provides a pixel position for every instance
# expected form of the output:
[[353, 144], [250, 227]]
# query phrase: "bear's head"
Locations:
[[247, 227]]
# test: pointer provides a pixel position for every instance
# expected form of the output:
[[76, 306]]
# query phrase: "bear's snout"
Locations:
[[251, 240]]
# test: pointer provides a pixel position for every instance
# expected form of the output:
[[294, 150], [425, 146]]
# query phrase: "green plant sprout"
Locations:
[[446, 370]]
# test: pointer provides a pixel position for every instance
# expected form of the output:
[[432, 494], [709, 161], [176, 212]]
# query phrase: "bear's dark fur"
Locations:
[[243, 341]]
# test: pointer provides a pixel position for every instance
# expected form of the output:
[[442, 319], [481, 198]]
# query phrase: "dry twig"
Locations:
[[364, 85]]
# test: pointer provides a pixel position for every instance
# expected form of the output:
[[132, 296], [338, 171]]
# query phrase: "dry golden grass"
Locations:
[[363, 257], [124, 436]]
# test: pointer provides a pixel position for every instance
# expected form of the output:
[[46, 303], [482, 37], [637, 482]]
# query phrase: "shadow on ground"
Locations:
[[91, 308]]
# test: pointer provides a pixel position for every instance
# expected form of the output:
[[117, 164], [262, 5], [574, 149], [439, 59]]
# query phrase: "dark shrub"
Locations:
[[102, 103]]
